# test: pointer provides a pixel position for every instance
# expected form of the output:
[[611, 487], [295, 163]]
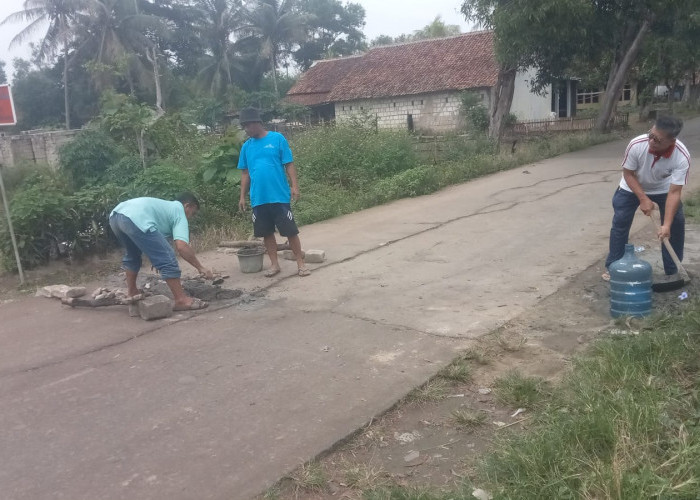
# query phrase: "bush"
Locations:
[[352, 157], [88, 156], [163, 180], [414, 182], [49, 222], [475, 111], [125, 171]]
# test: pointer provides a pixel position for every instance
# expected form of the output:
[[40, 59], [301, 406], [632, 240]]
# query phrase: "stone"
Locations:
[[134, 310], [315, 256], [289, 255], [62, 291], [155, 307]]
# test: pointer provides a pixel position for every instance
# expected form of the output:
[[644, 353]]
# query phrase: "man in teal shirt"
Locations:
[[266, 161], [143, 225]]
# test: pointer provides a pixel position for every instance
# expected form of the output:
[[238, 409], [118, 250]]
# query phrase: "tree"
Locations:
[[436, 29], [61, 18], [277, 24], [218, 21], [121, 36], [334, 30], [3, 74]]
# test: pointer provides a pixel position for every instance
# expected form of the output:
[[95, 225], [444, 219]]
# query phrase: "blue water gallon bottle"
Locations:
[[630, 285]]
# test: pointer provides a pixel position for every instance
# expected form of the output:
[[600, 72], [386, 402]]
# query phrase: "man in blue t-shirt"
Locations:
[[143, 225], [266, 161]]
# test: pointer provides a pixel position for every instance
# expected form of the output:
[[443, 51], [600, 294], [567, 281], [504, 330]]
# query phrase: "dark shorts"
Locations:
[[269, 215]]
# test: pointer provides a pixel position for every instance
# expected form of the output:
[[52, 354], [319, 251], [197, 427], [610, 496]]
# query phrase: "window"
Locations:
[[394, 104], [343, 108], [626, 93], [362, 107], [413, 103], [588, 96], [421, 102], [350, 108], [447, 99]]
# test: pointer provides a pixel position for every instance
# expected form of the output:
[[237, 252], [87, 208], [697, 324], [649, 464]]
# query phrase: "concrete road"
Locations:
[[219, 405]]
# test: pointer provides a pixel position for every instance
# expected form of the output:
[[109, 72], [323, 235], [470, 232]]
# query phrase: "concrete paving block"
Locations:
[[155, 307], [315, 256]]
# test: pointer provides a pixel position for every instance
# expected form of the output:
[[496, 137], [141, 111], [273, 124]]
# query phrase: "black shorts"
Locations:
[[269, 215]]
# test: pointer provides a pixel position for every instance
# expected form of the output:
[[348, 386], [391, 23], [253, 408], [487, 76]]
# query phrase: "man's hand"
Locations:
[[664, 232], [206, 272], [646, 205], [295, 193], [241, 205]]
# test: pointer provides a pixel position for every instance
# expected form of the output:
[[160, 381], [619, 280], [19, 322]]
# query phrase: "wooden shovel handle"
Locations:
[[657, 223]]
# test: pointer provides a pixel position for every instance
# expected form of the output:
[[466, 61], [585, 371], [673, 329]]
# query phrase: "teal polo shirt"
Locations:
[[154, 214]]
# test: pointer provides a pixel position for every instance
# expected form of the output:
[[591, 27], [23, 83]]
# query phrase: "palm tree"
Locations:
[[218, 21], [118, 34], [277, 24], [61, 17]]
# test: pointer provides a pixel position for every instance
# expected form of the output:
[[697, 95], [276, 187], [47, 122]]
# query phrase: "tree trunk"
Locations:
[[153, 59], [617, 77], [65, 85], [501, 100], [274, 73]]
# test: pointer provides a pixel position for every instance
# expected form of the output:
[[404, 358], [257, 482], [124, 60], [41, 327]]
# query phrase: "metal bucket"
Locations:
[[250, 260]]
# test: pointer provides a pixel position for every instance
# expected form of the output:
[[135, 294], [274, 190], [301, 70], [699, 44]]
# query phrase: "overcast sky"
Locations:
[[384, 17]]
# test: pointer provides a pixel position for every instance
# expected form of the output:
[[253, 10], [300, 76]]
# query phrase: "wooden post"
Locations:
[[11, 229]]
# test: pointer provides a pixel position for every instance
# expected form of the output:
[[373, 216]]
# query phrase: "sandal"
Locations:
[[303, 272], [194, 306], [272, 272]]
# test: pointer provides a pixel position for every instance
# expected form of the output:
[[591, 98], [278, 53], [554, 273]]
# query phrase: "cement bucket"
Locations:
[[250, 260]]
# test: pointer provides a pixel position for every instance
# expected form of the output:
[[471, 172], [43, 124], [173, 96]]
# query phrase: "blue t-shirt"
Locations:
[[154, 214], [265, 159]]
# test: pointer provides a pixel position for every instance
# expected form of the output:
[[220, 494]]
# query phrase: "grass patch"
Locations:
[[457, 371], [468, 419], [517, 390], [364, 477], [433, 390], [309, 477]]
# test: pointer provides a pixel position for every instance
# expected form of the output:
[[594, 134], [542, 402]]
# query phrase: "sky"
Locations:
[[383, 17]]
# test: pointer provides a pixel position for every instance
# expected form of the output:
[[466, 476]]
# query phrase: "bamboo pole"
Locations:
[[9, 226]]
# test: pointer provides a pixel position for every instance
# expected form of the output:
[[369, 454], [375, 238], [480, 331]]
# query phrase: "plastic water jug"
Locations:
[[630, 285]]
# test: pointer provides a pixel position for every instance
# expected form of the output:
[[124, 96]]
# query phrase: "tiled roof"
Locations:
[[454, 63]]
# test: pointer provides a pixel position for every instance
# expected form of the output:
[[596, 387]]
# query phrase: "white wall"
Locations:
[[436, 112], [526, 105]]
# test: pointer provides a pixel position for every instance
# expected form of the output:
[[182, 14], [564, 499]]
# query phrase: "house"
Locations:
[[418, 85]]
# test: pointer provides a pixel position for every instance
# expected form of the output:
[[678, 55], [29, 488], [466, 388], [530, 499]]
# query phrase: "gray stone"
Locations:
[[315, 256], [155, 307], [289, 255], [62, 291]]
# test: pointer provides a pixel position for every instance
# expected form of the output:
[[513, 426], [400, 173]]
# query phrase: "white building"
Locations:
[[418, 85]]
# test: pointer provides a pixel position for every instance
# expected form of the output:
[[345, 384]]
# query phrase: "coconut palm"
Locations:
[[122, 39], [218, 21], [277, 24], [60, 15]]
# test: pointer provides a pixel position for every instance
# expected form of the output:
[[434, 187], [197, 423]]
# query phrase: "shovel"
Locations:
[[685, 278]]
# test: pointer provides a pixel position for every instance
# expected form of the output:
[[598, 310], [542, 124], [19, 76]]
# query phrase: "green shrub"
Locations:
[[49, 222], [163, 180], [125, 171], [352, 157], [413, 182], [475, 111], [88, 156]]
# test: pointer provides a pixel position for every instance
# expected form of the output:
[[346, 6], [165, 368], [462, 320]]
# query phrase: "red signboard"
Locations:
[[7, 107]]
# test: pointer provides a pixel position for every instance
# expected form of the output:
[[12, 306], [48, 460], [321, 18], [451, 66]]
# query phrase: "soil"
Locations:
[[419, 444]]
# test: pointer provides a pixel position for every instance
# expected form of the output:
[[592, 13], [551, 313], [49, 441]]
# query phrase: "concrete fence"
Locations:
[[33, 147]]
